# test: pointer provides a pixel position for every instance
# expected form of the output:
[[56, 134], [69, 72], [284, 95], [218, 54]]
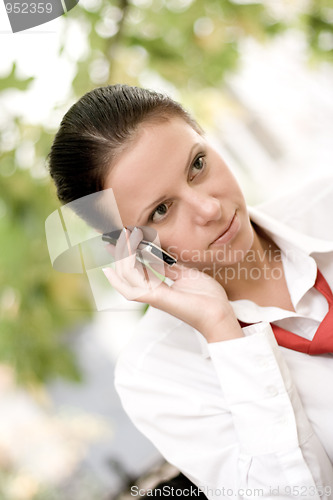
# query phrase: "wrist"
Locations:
[[227, 328]]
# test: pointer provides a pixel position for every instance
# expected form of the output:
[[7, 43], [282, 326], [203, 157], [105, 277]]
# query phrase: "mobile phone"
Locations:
[[146, 247]]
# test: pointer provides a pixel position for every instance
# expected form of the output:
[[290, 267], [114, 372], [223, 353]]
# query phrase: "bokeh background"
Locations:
[[257, 75]]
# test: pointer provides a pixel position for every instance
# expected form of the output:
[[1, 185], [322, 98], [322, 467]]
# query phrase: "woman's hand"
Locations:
[[194, 297]]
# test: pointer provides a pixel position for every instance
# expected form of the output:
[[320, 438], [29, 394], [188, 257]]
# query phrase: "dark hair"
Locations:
[[179, 484], [97, 128]]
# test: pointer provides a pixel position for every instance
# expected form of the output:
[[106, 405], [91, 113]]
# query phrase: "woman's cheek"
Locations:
[[186, 256]]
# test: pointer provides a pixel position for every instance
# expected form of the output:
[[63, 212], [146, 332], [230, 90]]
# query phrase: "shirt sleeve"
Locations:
[[233, 424]]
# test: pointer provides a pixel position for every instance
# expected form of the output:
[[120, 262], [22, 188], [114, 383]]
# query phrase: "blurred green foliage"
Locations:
[[192, 45], [34, 299], [37, 305], [12, 81]]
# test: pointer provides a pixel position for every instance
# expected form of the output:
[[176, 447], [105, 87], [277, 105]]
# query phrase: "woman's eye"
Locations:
[[159, 213], [197, 166]]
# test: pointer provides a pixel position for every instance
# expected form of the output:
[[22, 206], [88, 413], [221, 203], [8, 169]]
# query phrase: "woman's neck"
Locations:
[[260, 276]]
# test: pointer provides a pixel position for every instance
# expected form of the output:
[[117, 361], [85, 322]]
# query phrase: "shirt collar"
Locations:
[[288, 237]]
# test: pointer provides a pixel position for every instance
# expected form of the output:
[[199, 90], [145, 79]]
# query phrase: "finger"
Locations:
[[177, 271], [127, 267], [128, 242], [129, 291], [132, 271], [135, 238], [140, 274], [126, 253], [120, 285], [153, 277], [122, 248], [125, 258], [111, 249]]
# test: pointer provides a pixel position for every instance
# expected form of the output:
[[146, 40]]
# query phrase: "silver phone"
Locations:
[[147, 248]]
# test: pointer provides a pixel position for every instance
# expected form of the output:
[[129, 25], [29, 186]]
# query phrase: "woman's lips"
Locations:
[[229, 232]]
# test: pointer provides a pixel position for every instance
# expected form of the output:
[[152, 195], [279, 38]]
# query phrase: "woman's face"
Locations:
[[172, 180]]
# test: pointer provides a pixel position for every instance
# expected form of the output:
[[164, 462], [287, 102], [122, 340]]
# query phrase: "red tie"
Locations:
[[322, 341]]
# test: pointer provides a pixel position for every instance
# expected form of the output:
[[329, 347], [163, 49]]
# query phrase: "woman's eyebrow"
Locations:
[[161, 198]]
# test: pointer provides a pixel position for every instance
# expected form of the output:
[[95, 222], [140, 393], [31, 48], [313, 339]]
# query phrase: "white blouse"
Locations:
[[245, 418]]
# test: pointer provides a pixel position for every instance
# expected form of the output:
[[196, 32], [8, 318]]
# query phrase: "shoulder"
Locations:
[[307, 207]]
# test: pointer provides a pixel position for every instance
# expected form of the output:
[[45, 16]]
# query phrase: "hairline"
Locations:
[[134, 136]]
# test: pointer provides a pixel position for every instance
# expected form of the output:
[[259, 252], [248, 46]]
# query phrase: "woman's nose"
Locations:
[[205, 208]]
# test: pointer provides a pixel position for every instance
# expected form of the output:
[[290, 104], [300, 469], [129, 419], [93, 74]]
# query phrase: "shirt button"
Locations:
[[271, 390]]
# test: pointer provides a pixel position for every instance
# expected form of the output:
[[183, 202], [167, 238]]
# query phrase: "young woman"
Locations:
[[229, 372]]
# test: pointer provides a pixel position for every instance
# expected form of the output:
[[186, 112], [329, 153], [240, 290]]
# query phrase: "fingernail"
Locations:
[[135, 229]]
